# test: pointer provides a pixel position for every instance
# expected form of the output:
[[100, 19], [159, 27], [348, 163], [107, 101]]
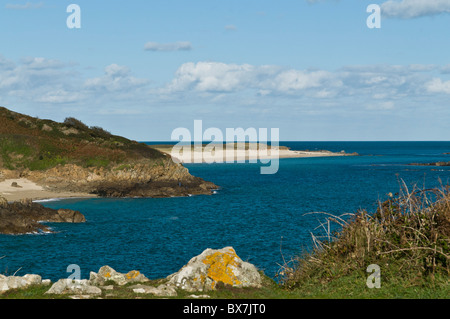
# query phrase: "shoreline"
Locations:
[[27, 189], [17, 189], [237, 153]]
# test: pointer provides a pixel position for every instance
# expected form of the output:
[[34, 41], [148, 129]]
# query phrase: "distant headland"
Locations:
[[241, 152], [46, 159]]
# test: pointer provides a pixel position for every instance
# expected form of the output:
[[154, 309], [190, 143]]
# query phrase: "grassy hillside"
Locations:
[[408, 238], [36, 144]]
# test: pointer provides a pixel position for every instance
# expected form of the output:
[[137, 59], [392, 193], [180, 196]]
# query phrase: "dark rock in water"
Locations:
[[432, 164], [14, 184], [70, 216], [195, 186], [26, 217]]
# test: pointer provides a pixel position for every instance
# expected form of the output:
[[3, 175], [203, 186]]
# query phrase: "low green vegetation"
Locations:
[[14, 151], [96, 162], [35, 144], [407, 238]]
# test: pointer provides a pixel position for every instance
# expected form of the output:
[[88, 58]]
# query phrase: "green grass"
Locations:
[[354, 286], [96, 162], [349, 287], [32, 292], [408, 238], [14, 151], [47, 162]]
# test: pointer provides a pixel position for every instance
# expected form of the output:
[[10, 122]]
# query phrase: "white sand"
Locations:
[[31, 190], [234, 155]]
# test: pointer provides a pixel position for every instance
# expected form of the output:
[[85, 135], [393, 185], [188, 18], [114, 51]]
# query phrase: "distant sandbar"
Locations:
[[239, 152]]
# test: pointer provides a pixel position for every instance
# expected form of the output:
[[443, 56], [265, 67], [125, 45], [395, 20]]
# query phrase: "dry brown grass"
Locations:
[[408, 235]]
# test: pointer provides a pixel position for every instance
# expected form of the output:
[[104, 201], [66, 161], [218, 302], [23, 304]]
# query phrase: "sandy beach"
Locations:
[[209, 154], [27, 189]]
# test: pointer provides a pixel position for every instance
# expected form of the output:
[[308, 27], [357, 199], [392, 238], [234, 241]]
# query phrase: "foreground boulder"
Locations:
[[17, 282], [106, 274], [160, 291], [73, 287], [206, 271], [25, 217]]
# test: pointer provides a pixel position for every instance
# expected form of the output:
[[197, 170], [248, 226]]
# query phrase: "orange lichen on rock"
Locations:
[[132, 274], [221, 267]]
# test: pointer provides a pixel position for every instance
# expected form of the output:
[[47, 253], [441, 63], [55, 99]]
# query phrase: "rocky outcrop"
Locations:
[[87, 159], [17, 282], [205, 272], [3, 202], [163, 178], [213, 267], [106, 274], [68, 216], [26, 217], [431, 164], [73, 287], [160, 291]]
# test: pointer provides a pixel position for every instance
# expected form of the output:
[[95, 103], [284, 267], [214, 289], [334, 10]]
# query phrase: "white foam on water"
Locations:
[[47, 200]]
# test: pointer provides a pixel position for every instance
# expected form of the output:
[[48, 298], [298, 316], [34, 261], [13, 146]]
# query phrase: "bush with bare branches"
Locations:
[[408, 236]]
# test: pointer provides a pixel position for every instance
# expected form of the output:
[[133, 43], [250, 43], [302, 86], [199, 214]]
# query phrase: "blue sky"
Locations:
[[311, 68]]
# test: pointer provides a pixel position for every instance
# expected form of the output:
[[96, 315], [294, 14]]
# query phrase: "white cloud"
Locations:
[[42, 63], [445, 69], [407, 9], [59, 96], [376, 87], [32, 73], [116, 78], [168, 47], [212, 76], [6, 64], [206, 80], [41, 80], [222, 77], [438, 86], [26, 6], [295, 80]]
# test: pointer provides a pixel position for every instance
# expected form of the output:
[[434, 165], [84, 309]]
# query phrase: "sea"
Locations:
[[268, 219]]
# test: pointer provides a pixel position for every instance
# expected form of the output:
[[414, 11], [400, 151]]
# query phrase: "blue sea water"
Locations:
[[264, 217]]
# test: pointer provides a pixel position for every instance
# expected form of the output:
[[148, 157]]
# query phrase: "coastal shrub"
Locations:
[[43, 163], [77, 124], [97, 131], [408, 237]]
